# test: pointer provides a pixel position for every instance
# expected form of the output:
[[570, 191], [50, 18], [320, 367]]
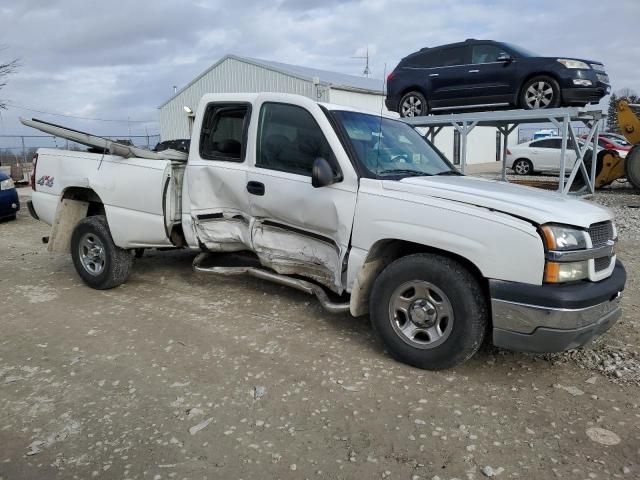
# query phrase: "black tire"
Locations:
[[111, 265], [522, 166], [632, 166], [466, 326], [542, 88], [413, 104]]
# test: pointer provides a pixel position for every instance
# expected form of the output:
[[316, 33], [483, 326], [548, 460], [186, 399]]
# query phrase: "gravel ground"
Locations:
[[175, 375]]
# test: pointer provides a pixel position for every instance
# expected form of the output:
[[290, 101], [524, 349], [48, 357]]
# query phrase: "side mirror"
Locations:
[[322, 173], [504, 57]]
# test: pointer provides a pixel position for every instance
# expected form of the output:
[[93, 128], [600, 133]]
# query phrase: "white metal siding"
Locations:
[[365, 101], [231, 76]]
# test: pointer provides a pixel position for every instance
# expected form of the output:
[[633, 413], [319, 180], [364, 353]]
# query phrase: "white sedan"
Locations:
[[542, 155]]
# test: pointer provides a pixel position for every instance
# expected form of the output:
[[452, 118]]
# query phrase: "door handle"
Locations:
[[255, 188], [434, 74], [474, 71]]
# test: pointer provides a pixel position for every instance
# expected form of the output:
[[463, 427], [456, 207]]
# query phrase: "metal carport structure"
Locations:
[[505, 121]]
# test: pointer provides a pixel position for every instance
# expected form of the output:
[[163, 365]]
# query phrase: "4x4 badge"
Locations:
[[45, 180]]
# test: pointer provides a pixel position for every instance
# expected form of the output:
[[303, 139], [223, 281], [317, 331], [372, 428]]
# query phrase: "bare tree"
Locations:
[[6, 69], [627, 93]]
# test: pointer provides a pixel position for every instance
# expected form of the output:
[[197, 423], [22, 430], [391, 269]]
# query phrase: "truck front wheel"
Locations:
[[429, 311], [99, 262]]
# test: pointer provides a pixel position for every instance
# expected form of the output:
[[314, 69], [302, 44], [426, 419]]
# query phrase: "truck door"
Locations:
[[216, 179], [296, 228]]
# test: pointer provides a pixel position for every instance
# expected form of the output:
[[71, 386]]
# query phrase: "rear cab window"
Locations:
[[223, 136]]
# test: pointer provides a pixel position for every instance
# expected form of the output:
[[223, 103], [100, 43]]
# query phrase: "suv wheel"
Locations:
[[540, 92], [429, 311], [99, 262], [413, 104]]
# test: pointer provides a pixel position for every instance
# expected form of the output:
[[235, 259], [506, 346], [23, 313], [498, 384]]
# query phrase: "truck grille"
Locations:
[[603, 77], [600, 233], [598, 67]]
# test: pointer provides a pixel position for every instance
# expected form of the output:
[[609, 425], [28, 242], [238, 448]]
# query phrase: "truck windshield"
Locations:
[[391, 148]]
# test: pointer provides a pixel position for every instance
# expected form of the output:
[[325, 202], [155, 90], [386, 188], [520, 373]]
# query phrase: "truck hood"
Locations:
[[536, 205]]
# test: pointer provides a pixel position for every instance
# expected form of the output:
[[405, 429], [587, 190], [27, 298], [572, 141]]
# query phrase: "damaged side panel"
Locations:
[[290, 252], [219, 205], [226, 231]]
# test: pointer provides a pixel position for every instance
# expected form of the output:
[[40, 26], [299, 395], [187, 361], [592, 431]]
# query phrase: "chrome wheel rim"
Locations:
[[92, 254], [412, 106], [522, 168], [421, 314], [538, 95]]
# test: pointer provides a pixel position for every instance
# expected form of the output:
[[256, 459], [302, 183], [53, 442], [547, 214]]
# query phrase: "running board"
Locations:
[[302, 285]]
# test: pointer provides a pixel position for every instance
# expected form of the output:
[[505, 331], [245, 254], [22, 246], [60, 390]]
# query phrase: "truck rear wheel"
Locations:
[[98, 261], [429, 311]]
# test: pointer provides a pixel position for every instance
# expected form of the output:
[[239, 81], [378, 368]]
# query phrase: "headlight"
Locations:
[[6, 184], [557, 237], [563, 239], [573, 63]]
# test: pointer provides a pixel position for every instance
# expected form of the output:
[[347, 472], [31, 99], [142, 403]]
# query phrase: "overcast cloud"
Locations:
[[119, 60]]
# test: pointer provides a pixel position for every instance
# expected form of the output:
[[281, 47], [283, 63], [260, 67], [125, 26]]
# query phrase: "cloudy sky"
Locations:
[[119, 60]]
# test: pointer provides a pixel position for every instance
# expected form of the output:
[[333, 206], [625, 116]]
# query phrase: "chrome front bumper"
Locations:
[[546, 330], [554, 318]]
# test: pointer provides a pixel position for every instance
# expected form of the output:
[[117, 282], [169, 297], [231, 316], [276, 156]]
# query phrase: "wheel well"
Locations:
[[415, 88], [96, 207], [383, 253], [523, 158], [538, 74]]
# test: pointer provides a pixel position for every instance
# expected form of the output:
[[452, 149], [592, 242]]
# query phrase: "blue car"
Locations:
[[9, 202]]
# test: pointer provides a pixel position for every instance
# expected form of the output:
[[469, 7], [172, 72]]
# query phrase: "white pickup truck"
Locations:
[[355, 208]]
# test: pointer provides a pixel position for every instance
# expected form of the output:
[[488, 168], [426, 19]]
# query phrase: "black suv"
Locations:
[[488, 74]]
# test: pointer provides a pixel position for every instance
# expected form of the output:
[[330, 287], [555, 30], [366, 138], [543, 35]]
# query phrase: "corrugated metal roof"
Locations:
[[334, 79], [337, 80]]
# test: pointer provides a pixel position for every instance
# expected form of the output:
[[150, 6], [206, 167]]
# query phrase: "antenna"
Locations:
[[384, 80], [366, 72]]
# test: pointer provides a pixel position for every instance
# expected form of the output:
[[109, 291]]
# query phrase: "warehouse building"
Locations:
[[234, 74]]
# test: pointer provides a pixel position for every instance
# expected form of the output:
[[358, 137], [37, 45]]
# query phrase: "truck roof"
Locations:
[[280, 97]]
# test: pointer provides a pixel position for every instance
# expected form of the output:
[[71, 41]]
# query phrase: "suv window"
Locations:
[[424, 59], [485, 53], [223, 135], [454, 56], [289, 139]]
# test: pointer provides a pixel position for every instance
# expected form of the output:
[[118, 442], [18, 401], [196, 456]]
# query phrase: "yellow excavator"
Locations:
[[612, 166]]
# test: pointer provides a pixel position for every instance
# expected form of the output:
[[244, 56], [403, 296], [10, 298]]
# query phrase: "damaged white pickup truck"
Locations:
[[357, 209]]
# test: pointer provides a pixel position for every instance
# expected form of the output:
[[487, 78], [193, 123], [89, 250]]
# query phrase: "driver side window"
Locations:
[[289, 140]]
